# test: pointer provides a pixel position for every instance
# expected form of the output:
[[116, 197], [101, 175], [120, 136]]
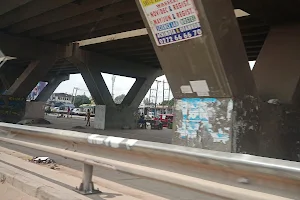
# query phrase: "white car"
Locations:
[[55, 109], [76, 111]]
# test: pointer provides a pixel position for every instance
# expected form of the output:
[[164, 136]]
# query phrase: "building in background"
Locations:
[[60, 102], [151, 110], [61, 98]]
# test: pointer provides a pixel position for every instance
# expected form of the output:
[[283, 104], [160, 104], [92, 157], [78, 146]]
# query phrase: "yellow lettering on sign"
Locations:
[[146, 3]]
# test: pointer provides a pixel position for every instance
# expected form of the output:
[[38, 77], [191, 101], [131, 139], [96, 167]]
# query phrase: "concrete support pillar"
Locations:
[[31, 76], [94, 80], [277, 68], [205, 62], [51, 87], [276, 73], [140, 88], [116, 116], [36, 109], [125, 115]]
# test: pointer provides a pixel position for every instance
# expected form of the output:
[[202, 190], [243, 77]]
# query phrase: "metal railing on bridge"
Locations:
[[219, 174]]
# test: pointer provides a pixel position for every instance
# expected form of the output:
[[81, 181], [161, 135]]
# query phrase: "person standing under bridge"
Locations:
[[88, 118], [68, 112]]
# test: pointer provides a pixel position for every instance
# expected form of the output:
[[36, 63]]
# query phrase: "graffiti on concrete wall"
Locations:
[[203, 121], [12, 109]]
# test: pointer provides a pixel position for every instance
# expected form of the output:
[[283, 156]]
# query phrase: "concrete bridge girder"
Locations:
[[40, 53], [26, 48], [51, 87]]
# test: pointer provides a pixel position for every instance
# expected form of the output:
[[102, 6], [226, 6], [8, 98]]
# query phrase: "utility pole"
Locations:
[[164, 96], [155, 112], [150, 96], [75, 89], [73, 94], [163, 102], [169, 90], [169, 95], [113, 79]]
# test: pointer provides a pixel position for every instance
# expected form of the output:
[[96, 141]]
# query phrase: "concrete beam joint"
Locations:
[[32, 49]]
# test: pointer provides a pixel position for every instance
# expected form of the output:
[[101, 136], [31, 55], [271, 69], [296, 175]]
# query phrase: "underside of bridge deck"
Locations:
[[65, 21]]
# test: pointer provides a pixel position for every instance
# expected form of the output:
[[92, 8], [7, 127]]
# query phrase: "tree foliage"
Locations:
[[81, 99], [119, 99], [168, 103]]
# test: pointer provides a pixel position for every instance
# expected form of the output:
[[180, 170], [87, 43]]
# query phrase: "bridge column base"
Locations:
[[115, 117], [221, 124], [121, 117], [280, 127], [34, 110]]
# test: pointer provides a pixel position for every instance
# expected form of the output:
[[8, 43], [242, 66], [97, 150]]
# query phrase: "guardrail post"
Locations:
[[87, 185]]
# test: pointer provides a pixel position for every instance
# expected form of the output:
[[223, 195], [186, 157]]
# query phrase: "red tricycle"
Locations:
[[166, 119]]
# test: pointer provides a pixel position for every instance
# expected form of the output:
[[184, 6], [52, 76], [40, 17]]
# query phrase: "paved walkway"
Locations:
[[77, 123], [9, 192]]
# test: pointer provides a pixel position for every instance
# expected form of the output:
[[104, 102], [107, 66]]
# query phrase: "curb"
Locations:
[[35, 186]]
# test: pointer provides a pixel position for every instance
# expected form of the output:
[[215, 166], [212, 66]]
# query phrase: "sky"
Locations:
[[122, 85]]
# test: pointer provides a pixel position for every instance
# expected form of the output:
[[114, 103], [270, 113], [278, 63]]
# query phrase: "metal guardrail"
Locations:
[[225, 175]]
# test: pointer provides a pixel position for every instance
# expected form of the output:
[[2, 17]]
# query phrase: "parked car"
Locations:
[[55, 109], [75, 111], [78, 111]]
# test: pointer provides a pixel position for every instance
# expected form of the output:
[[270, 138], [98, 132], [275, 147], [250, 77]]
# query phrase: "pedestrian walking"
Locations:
[[88, 118], [68, 112]]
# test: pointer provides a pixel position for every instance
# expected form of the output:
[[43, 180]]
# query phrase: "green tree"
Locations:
[[81, 99], [119, 99], [168, 103]]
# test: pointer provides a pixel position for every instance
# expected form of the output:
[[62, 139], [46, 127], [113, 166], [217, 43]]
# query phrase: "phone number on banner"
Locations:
[[180, 36]]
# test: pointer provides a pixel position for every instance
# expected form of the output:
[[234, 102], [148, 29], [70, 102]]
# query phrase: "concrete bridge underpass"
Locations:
[[221, 104]]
